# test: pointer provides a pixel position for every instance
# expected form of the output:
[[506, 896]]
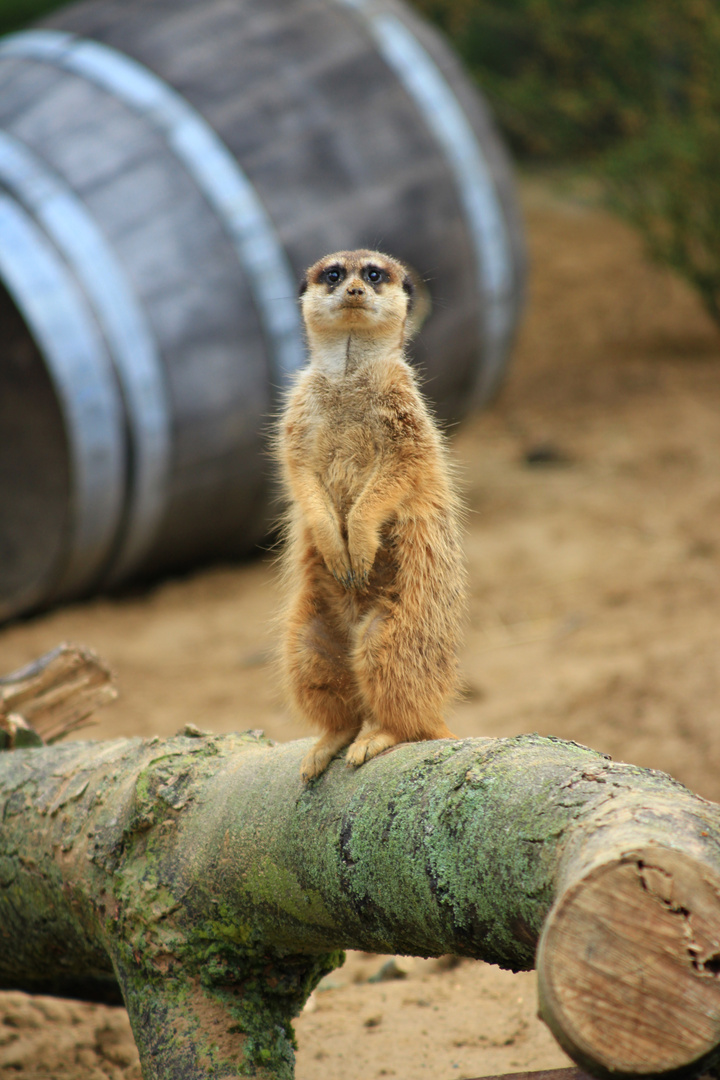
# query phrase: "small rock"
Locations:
[[389, 970], [192, 731], [545, 455], [447, 963]]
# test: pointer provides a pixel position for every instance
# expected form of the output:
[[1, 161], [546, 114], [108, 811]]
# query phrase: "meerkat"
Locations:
[[373, 564]]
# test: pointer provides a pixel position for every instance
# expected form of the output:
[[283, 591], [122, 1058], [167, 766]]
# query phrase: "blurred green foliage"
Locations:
[[565, 77], [629, 88], [16, 13], [667, 183]]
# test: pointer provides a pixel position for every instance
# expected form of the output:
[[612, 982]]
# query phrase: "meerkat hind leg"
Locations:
[[370, 745], [319, 757], [379, 739], [319, 681], [402, 702]]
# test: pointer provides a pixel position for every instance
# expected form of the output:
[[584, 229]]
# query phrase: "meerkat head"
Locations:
[[360, 292]]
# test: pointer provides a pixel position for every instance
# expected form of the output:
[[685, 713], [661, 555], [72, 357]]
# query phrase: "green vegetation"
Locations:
[[667, 183], [629, 90], [17, 13], [565, 77]]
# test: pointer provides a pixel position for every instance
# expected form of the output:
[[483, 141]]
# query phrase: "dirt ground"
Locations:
[[594, 548]]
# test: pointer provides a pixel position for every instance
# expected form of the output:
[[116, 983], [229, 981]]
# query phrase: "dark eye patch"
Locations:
[[332, 275]]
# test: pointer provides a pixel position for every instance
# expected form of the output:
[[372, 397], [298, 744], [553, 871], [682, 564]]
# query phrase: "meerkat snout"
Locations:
[[355, 293]]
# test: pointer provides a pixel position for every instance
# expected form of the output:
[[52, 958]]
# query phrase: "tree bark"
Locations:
[[217, 890]]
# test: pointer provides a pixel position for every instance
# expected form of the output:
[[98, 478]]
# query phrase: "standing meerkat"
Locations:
[[373, 564]]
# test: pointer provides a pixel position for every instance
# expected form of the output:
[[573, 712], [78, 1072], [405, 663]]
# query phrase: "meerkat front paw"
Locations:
[[361, 574], [346, 578], [333, 550], [362, 556], [346, 575], [340, 568], [369, 746]]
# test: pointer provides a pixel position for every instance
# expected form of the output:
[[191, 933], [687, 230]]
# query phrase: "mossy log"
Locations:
[[201, 875]]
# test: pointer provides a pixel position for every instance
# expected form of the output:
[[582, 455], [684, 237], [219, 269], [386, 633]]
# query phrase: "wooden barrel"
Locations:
[[167, 170]]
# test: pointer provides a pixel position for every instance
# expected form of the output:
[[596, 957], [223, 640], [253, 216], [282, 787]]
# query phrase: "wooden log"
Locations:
[[217, 889], [637, 929]]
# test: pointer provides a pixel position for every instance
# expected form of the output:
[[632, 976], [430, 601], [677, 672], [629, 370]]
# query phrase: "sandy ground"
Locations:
[[593, 545]]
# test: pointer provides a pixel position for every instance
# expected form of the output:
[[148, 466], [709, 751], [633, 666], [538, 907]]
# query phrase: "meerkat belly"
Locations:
[[349, 458]]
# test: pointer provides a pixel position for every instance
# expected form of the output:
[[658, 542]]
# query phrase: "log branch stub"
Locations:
[[628, 966], [53, 696]]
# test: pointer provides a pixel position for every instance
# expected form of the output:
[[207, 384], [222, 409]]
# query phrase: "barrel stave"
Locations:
[[34, 473]]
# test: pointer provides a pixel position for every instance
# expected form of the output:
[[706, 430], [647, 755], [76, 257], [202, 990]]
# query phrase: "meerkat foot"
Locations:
[[319, 757], [315, 763], [369, 746]]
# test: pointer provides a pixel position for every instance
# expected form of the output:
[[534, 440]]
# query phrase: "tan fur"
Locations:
[[373, 565]]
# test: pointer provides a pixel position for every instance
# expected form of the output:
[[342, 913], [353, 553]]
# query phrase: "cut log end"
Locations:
[[629, 966]]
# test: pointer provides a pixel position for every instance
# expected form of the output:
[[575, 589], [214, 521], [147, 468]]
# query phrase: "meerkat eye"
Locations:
[[375, 275], [332, 275]]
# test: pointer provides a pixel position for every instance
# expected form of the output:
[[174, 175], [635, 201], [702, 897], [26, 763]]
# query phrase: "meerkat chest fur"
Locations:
[[351, 428]]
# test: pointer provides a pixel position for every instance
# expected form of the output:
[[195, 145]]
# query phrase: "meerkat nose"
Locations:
[[355, 290]]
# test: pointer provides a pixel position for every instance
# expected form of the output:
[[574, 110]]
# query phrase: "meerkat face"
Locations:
[[361, 292]]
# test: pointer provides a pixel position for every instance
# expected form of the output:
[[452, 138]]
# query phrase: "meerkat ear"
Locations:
[[409, 287], [303, 286], [419, 302]]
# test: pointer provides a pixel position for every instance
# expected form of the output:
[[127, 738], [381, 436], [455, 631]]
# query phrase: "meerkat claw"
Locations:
[[346, 579]]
